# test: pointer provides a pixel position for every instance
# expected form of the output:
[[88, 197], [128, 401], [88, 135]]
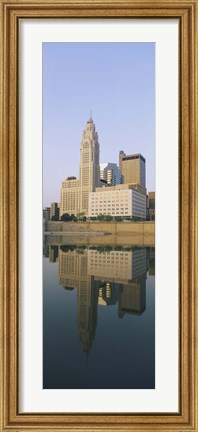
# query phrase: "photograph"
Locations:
[[98, 305], [99, 165]]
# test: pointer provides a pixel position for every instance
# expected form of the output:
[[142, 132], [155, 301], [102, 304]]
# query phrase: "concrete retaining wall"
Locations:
[[144, 228], [112, 233]]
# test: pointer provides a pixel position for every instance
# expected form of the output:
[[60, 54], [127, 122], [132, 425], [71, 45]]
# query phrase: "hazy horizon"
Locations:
[[116, 81]]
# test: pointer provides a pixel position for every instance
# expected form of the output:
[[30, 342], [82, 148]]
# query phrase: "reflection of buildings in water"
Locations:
[[109, 293], [151, 260], [73, 274], [119, 266], [45, 250], [126, 267], [53, 253], [68, 269], [87, 298], [106, 279], [132, 299]]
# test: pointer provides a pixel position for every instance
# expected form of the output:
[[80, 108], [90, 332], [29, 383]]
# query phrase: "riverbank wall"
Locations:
[[101, 233]]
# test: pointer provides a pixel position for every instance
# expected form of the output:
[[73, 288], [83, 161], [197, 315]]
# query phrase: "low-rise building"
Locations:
[[121, 200]]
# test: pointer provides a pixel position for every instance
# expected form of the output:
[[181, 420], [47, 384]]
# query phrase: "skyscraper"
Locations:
[[111, 173], [75, 192], [89, 164], [151, 206], [54, 211], [133, 168]]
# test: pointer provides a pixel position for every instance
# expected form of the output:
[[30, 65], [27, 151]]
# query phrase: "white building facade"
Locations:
[[117, 202]]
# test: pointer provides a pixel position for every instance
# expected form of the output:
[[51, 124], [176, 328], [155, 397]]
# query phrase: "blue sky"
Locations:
[[114, 80]]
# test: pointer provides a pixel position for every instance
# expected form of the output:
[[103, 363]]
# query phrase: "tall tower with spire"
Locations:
[[74, 197], [89, 164]]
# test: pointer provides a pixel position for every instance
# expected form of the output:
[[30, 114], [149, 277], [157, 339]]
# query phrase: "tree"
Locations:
[[101, 217], [118, 218], [54, 218], [65, 217], [108, 218], [73, 217], [80, 216]]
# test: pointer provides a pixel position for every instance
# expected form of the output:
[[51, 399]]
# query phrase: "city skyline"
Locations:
[[62, 119]]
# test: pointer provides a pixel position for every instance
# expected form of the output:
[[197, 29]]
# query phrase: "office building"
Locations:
[[54, 211], [46, 214], [75, 192], [89, 164], [151, 206], [133, 168], [110, 173], [117, 201], [70, 196]]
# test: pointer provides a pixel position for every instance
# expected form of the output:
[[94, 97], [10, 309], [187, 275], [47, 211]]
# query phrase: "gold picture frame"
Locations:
[[12, 12]]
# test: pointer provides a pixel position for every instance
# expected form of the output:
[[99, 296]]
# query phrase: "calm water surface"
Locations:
[[99, 317]]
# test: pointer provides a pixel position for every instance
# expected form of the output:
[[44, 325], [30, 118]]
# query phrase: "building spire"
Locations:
[[90, 114]]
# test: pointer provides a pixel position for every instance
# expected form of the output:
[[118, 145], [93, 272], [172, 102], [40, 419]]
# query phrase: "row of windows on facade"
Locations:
[[108, 258], [107, 198], [115, 206], [117, 213], [109, 208]]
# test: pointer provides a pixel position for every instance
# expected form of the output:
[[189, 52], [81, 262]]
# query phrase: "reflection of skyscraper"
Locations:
[[53, 253], [87, 298], [108, 293], [151, 261], [45, 247], [133, 297], [73, 273]]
